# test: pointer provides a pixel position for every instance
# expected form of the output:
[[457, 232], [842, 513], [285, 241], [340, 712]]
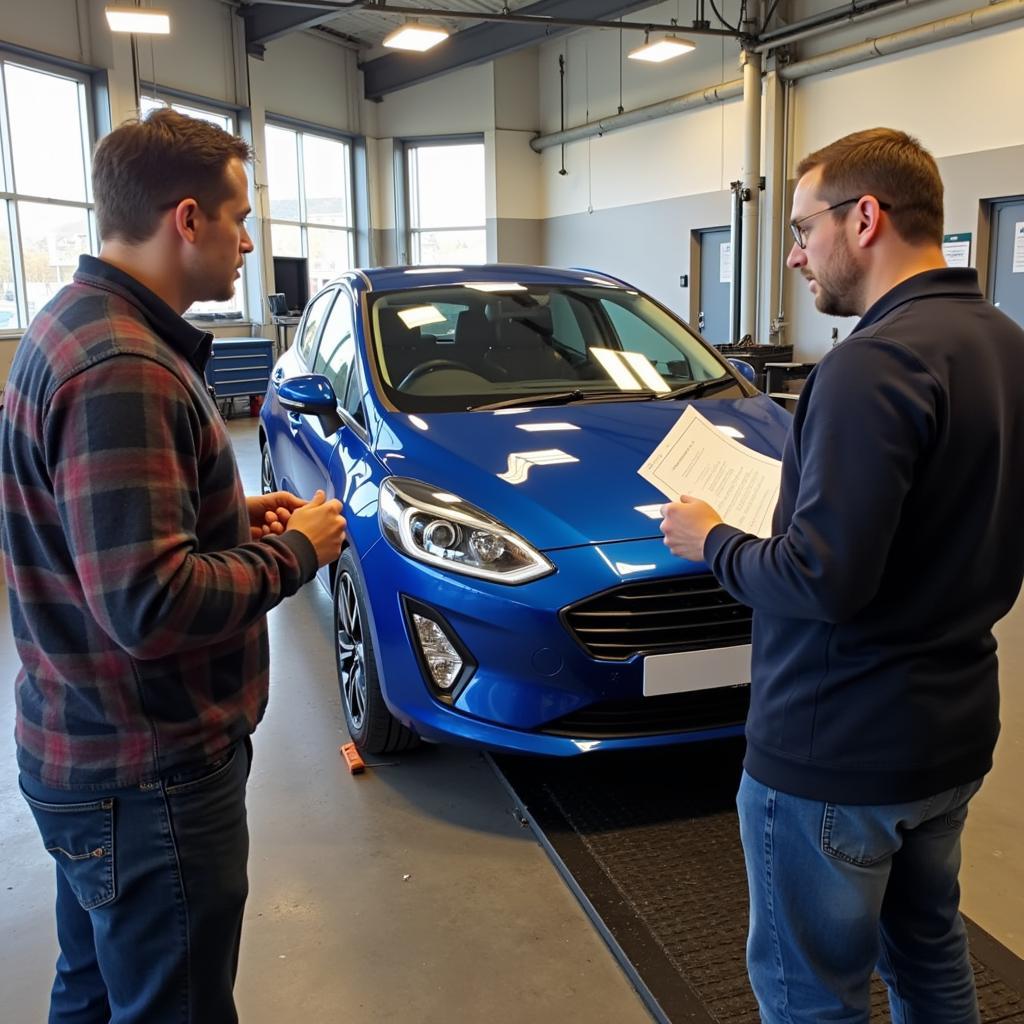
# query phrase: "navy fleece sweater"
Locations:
[[899, 542]]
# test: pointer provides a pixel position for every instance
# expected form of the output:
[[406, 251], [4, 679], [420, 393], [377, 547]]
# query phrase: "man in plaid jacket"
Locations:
[[140, 577]]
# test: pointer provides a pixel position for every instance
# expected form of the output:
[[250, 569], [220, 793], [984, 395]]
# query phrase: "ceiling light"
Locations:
[[414, 35], [664, 48], [140, 20]]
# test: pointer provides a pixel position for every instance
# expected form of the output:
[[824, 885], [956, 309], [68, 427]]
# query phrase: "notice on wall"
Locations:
[[698, 460], [725, 263], [957, 249], [1018, 247]]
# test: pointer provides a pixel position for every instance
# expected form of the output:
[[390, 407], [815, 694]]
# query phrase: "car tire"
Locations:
[[267, 482], [373, 728]]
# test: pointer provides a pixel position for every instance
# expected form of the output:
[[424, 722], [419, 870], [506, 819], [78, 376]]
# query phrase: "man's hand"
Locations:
[[322, 524], [686, 524], [269, 513]]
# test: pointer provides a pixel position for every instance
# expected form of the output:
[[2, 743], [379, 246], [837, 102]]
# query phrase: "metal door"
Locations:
[[1006, 262], [715, 284]]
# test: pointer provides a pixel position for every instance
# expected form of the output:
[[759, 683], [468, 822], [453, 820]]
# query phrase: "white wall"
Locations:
[[962, 98]]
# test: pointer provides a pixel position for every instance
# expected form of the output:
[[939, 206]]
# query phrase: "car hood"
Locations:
[[561, 476]]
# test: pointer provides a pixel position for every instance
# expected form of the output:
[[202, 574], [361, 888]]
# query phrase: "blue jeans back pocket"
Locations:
[[80, 838]]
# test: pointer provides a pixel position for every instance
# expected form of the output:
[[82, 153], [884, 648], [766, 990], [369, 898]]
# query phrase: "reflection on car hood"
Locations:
[[565, 475]]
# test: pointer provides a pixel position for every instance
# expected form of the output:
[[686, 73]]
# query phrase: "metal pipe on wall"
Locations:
[[947, 28], [908, 39], [751, 190]]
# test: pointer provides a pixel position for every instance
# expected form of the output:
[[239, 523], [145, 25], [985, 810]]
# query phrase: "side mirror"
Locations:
[[746, 371], [311, 394]]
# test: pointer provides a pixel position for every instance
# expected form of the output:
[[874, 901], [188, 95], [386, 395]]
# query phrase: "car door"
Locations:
[[286, 451], [313, 448]]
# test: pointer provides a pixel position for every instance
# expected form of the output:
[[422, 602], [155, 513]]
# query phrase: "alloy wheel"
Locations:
[[351, 660]]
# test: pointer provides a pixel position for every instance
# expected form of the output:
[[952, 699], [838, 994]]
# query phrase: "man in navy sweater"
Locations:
[[896, 547]]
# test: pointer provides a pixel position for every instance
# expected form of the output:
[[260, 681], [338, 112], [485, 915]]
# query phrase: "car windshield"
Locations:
[[463, 346]]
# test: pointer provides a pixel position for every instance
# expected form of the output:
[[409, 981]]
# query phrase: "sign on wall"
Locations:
[[957, 249]]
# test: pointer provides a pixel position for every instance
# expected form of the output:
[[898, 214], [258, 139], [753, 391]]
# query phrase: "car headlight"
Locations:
[[441, 529]]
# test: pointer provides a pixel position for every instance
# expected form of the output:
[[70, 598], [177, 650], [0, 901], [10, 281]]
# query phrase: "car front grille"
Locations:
[[655, 716], [685, 613]]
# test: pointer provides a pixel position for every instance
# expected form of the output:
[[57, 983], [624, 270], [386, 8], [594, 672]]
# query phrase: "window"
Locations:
[[307, 332], [46, 210], [447, 207], [337, 350], [309, 178], [234, 307]]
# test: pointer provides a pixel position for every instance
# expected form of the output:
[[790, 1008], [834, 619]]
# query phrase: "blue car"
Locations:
[[504, 583]]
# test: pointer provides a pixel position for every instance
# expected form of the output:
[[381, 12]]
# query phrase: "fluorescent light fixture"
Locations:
[[434, 270], [420, 316], [140, 20], [414, 35], [662, 49]]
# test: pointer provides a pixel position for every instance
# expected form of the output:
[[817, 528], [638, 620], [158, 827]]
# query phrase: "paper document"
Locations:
[[698, 460]]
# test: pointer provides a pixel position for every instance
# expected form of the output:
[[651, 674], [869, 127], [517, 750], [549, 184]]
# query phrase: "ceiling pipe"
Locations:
[[665, 108], [1001, 13], [789, 34], [909, 39]]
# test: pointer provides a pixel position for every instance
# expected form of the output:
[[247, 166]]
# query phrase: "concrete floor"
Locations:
[[411, 892]]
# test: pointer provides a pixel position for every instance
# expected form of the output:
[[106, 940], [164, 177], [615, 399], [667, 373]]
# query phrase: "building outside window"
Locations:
[[445, 189], [309, 180], [46, 209], [234, 308]]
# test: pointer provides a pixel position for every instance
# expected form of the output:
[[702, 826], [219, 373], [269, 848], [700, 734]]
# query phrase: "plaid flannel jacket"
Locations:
[[138, 599]]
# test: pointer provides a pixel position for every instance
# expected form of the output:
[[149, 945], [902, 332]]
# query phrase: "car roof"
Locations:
[[401, 278]]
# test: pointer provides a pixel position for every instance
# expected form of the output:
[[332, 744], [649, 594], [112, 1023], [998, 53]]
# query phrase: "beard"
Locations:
[[839, 284]]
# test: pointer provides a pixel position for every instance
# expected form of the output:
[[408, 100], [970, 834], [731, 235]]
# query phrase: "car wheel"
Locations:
[[373, 728], [267, 485]]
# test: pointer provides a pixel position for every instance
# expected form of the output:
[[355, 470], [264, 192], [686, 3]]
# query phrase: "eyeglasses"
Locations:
[[800, 236]]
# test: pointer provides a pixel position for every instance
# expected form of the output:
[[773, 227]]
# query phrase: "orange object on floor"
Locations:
[[355, 763]]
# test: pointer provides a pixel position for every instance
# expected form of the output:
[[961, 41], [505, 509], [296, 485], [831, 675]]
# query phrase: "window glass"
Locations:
[[336, 352], [306, 334], [516, 341], [45, 215], [325, 173], [52, 237], [49, 133], [283, 176], [329, 255], [309, 182], [8, 300], [447, 203], [637, 335]]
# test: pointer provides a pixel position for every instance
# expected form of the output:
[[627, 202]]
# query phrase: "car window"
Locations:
[[514, 341], [337, 350], [635, 334], [306, 336]]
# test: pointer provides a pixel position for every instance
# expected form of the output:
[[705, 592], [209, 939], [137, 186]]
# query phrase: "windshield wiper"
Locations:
[[697, 388], [565, 398]]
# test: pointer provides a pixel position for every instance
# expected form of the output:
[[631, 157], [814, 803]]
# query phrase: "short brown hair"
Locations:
[[890, 165], [143, 168]]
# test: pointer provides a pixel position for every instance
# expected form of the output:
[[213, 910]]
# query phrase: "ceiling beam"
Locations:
[[265, 22], [482, 43]]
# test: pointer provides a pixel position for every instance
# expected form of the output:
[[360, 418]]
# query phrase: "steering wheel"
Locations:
[[430, 367]]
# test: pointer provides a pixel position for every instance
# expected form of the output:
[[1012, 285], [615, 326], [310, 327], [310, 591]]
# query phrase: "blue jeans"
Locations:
[[151, 885], [837, 890]]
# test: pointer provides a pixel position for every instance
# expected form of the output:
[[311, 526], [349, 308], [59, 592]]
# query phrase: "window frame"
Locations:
[[356, 189], [403, 179], [92, 95]]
